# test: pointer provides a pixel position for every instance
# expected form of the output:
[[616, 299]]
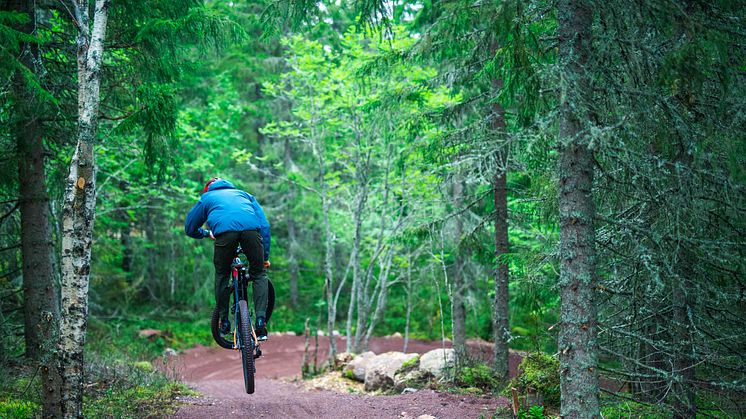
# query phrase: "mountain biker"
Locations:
[[233, 217]]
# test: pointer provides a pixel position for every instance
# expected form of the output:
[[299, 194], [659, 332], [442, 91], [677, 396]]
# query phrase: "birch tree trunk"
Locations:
[[79, 210], [501, 326], [578, 313], [357, 220]]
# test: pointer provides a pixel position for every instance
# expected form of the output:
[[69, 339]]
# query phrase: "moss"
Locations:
[[143, 366], [349, 374], [410, 363], [538, 372]]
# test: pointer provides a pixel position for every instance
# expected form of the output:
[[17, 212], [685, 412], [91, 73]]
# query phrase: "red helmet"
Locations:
[[209, 182]]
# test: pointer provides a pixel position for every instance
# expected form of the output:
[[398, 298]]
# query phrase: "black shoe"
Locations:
[[225, 326], [261, 329]]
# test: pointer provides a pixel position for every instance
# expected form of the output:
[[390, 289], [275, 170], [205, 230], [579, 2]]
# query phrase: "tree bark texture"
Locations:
[[578, 314], [458, 308], [501, 326], [79, 209], [41, 306], [40, 291]]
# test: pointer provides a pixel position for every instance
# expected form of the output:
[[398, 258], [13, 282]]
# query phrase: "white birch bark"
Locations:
[[79, 210]]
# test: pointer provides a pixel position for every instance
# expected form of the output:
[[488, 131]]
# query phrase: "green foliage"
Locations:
[[534, 412], [479, 376], [627, 409], [539, 373], [18, 409]]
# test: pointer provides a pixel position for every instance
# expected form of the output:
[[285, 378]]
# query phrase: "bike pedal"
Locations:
[[258, 353]]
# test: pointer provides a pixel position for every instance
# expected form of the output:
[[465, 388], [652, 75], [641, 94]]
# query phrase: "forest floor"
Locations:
[[216, 373]]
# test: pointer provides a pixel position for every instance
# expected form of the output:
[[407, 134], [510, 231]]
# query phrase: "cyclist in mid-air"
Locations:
[[233, 217]]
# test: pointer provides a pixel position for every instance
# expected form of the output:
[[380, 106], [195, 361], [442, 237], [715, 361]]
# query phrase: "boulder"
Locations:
[[342, 359], [408, 378], [381, 370], [436, 361], [356, 368]]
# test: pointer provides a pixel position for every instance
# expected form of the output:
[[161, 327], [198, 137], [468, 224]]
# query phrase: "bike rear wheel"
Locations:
[[247, 346]]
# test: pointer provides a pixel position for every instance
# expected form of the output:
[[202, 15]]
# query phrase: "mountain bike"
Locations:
[[242, 327]]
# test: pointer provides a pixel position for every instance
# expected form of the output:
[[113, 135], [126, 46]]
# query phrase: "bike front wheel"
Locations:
[[247, 346]]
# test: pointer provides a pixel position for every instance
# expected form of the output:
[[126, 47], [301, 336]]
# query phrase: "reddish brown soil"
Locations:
[[217, 374]]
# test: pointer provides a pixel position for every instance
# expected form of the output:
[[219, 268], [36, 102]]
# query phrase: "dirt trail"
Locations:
[[217, 374]]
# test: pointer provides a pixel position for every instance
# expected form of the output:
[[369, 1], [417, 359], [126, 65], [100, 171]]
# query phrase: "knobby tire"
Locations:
[[247, 346]]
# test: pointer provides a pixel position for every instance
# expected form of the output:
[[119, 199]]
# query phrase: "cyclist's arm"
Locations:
[[194, 220]]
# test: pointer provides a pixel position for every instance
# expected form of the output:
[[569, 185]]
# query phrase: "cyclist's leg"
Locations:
[[225, 249], [251, 243]]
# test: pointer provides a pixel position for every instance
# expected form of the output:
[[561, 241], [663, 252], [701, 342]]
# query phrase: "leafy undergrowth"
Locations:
[[121, 380], [630, 409], [112, 390]]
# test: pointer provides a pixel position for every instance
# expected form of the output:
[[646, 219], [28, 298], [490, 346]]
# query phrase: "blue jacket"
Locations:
[[226, 208]]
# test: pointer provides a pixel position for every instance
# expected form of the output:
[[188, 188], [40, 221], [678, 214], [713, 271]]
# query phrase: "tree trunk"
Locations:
[[293, 269], [41, 306], [357, 221], [408, 289], [328, 269], [383, 291], [578, 314], [126, 230], [79, 210], [684, 403], [41, 300], [458, 309], [501, 326]]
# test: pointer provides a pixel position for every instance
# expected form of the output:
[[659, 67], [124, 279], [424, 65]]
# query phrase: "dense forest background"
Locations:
[[428, 168]]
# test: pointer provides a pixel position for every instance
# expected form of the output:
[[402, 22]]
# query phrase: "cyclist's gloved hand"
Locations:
[[206, 233], [267, 264]]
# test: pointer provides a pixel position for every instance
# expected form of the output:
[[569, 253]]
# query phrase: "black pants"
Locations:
[[225, 249]]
